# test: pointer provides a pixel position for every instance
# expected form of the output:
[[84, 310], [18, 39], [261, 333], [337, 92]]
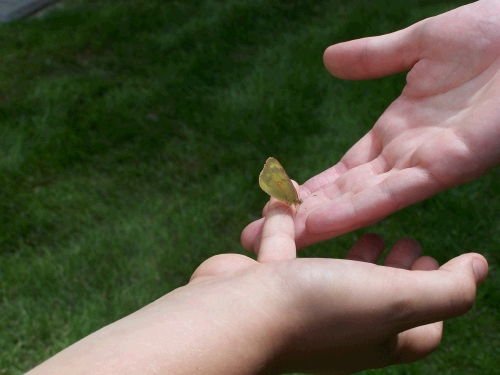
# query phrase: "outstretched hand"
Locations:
[[281, 314], [442, 131], [341, 316]]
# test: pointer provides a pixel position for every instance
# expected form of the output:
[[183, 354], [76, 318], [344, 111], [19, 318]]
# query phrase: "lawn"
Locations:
[[132, 135]]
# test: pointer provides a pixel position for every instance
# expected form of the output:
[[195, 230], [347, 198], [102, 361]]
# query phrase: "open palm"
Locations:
[[443, 130]]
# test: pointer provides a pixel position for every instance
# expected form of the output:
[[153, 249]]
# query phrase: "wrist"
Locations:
[[245, 321]]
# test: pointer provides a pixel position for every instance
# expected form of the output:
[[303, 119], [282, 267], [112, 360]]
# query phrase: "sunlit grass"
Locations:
[[131, 141]]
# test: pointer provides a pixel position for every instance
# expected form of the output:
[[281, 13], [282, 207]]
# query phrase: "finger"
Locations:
[[264, 210], [336, 213], [250, 236], [403, 254], [324, 178], [367, 248], [425, 263], [418, 342], [221, 265], [479, 265], [278, 233], [327, 186], [396, 189], [428, 297], [367, 149], [374, 57]]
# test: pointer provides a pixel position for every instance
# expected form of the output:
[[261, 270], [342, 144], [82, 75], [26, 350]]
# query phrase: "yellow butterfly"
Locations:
[[275, 182]]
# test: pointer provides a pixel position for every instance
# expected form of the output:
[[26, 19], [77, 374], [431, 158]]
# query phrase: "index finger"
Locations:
[[278, 233]]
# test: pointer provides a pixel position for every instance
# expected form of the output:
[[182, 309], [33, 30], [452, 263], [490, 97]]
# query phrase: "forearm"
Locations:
[[184, 332]]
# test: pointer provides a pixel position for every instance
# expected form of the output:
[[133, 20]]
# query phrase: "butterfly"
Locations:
[[275, 182]]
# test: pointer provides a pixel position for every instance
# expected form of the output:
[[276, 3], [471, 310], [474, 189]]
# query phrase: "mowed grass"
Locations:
[[132, 135]]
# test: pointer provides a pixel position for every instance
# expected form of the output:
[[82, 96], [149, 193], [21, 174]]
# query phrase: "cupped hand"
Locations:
[[443, 130]]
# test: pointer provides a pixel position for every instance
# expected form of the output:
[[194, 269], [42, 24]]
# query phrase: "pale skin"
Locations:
[[443, 130], [331, 316], [280, 314]]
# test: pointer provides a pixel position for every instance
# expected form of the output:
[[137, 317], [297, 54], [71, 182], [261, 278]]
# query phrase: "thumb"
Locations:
[[464, 261], [416, 343], [374, 57], [449, 291]]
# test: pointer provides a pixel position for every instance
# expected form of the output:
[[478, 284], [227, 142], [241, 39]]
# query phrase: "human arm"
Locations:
[[280, 314]]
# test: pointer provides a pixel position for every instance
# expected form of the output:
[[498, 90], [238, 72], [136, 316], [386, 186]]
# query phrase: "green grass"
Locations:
[[132, 137]]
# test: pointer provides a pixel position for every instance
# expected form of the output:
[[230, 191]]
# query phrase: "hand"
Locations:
[[277, 314], [442, 131]]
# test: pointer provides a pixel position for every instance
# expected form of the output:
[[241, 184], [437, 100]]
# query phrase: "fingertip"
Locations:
[[403, 254], [367, 248], [425, 263], [480, 267], [446, 293], [334, 56], [264, 210], [374, 57], [245, 238], [373, 238], [419, 342], [469, 270], [250, 234], [256, 243], [476, 261]]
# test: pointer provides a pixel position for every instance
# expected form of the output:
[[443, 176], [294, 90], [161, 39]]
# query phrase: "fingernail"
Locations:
[[480, 269]]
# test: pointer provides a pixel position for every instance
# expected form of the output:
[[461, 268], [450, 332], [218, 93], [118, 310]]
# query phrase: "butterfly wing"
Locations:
[[274, 181]]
